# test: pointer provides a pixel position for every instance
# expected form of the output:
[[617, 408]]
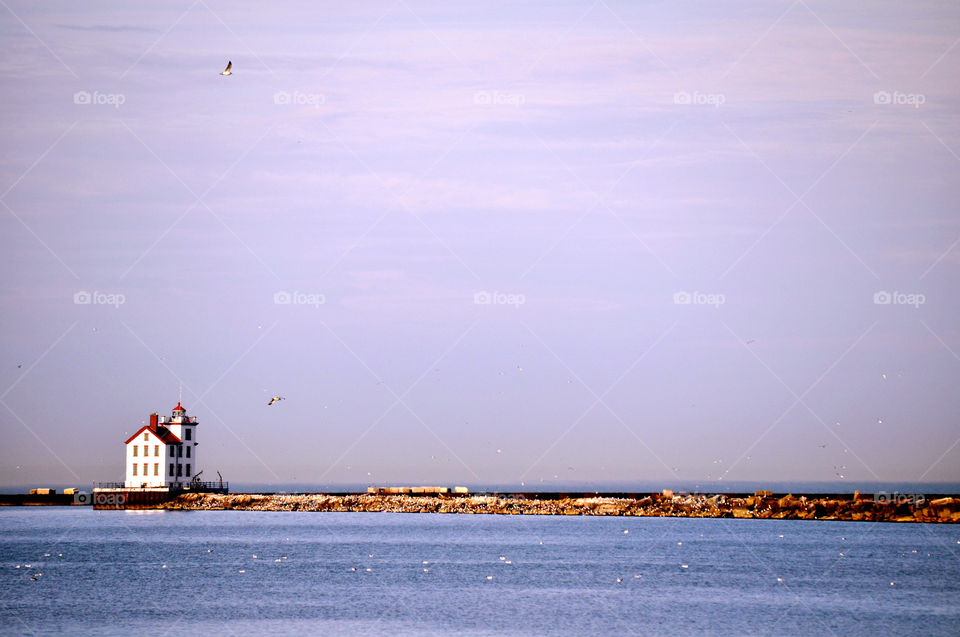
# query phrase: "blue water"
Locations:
[[179, 573]]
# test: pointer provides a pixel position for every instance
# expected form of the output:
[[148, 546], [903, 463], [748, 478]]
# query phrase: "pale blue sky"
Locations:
[[594, 159]]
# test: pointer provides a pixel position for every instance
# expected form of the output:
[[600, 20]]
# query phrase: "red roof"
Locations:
[[179, 407], [168, 437], [161, 432]]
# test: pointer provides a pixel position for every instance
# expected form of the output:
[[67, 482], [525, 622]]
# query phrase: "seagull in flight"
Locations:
[[227, 70], [275, 399]]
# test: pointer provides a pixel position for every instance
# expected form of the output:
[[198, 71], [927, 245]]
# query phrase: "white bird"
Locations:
[[227, 70], [275, 399]]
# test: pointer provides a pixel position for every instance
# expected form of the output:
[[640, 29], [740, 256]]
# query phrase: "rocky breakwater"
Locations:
[[765, 506]]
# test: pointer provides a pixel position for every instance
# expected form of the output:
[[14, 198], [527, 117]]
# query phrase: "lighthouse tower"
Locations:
[[163, 454]]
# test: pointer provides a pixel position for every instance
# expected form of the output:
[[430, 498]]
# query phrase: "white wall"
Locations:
[[153, 444]]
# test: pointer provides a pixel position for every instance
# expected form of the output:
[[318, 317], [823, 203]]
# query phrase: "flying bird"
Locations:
[[227, 70], [275, 399]]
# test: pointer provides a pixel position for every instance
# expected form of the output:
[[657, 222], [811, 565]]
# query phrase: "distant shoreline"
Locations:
[[731, 487], [855, 507]]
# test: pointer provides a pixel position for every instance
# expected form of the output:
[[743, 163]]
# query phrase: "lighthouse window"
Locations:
[[188, 470], [156, 468], [188, 452], [146, 436], [134, 451], [171, 469], [187, 433], [145, 469], [134, 468], [156, 450], [179, 452], [179, 470]]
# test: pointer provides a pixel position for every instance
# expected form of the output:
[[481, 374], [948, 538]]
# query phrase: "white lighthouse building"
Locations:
[[163, 453]]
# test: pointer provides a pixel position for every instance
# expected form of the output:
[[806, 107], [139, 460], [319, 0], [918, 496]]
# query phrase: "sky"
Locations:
[[482, 243]]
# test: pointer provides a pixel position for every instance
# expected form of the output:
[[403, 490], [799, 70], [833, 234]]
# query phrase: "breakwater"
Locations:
[[38, 499], [853, 507]]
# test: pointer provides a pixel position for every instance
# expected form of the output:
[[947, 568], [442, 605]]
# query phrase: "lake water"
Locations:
[[185, 573]]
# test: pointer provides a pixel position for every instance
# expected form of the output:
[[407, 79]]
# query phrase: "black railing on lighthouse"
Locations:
[[182, 486]]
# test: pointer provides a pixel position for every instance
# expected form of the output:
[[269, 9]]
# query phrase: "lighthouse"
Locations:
[[163, 454], [160, 463]]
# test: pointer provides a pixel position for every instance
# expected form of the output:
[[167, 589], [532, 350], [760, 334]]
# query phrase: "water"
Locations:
[[173, 572]]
